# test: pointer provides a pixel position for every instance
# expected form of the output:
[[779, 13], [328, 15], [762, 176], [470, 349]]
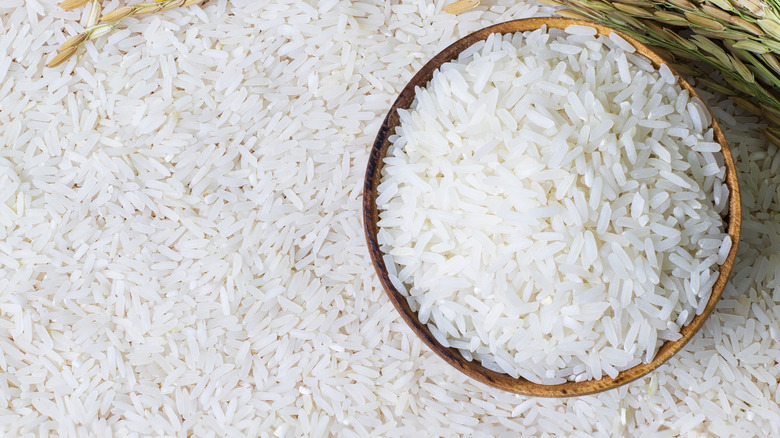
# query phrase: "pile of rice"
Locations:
[[553, 204], [181, 250]]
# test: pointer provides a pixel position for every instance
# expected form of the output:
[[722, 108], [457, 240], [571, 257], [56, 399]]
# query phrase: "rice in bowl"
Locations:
[[551, 205]]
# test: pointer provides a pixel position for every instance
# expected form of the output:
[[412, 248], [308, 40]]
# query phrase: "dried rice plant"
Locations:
[[739, 38], [98, 27]]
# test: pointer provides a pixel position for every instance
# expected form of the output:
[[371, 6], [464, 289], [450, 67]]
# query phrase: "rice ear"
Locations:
[[109, 20]]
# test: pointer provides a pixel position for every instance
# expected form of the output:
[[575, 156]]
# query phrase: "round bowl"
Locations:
[[451, 355]]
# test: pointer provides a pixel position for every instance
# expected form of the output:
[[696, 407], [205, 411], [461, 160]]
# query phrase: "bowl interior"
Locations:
[[451, 355]]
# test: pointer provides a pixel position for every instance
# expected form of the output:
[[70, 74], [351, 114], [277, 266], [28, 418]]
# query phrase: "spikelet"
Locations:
[[461, 6]]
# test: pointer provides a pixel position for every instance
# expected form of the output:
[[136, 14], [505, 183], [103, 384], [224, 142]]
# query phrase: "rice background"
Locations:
[[182, 254]]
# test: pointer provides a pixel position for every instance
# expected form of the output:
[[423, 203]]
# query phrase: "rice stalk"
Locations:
[[107, 22], [739, 38]]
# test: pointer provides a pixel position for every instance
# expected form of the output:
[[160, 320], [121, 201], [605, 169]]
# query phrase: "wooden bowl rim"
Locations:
[[452, 356]]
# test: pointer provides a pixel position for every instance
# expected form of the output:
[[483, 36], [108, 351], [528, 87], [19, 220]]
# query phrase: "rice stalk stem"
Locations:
[[107, 22], [738, 38]]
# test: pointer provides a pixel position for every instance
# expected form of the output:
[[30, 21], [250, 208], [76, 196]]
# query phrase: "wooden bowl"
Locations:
[[451, 355]]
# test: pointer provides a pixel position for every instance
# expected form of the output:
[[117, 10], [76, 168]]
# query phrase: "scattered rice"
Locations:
[[134, 346]]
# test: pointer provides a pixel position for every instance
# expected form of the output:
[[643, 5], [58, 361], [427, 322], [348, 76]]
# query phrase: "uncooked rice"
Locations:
[[542, 218], [131, 222]]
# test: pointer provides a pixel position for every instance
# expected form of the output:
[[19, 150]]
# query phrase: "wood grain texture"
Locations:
[[453, 356]]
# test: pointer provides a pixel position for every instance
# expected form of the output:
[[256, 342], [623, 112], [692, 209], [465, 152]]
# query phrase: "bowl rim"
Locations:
[[452, 356]]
